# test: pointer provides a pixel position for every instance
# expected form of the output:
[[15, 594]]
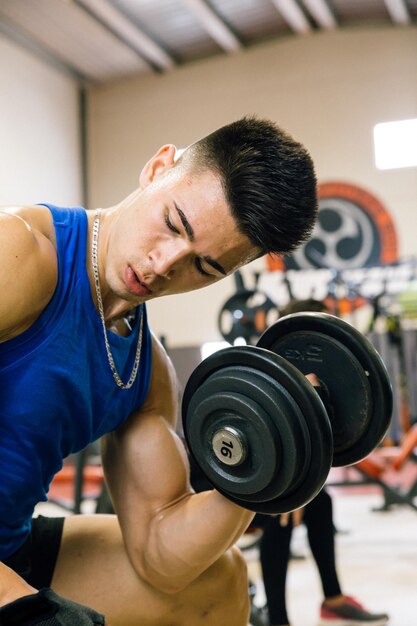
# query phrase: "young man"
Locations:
[[78, 362]]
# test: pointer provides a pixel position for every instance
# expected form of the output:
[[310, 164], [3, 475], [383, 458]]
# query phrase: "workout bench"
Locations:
[[373, 470]]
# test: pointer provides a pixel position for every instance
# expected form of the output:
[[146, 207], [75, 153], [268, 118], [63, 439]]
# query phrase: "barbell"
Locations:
[[258, 429]]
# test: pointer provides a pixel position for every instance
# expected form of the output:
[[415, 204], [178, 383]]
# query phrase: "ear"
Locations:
[[157, 165]]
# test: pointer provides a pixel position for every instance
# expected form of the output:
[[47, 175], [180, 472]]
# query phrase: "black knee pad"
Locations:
[[46, 608]]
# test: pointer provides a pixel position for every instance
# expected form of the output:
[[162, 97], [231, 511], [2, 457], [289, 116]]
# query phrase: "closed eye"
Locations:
[[170, 225], [200, 268]]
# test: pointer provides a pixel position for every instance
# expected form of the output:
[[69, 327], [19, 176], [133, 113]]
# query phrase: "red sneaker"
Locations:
[[350, 613]]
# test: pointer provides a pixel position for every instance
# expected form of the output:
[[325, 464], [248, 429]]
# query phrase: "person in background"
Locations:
[[337, 609]]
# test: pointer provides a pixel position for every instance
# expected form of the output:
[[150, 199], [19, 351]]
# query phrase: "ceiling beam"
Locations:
[[23, 39], [398, 11], [128, 32], [214, 25], [293, 15], [321, 13]]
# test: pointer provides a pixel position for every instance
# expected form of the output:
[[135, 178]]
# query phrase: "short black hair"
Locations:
[[300, 306], [268, 180]]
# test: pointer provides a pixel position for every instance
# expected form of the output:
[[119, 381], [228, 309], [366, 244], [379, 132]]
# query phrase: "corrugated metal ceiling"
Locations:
[[100, 40]]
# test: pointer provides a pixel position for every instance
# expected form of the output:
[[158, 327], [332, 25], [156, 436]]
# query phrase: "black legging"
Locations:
[[275, 553]]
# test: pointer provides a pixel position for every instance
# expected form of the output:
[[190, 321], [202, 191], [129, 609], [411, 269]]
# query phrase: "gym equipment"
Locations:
[[257, 428], [246, 314], [409, 348], [390, 352], [244, 424], [336, 352], [373, 472]]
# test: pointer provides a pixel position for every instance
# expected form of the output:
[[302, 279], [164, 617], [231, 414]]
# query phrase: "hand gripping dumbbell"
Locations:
[[258, 429]]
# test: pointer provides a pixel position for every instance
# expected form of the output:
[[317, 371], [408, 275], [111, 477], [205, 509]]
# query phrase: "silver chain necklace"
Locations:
[[94, 262]]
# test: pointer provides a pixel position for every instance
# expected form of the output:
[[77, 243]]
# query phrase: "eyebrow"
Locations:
[[187, 226], [190, 233]]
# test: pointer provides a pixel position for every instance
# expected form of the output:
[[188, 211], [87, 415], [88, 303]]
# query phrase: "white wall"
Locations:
[[328, 90], [40, 137]]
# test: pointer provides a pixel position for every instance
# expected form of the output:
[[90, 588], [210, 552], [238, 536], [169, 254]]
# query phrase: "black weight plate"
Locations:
[[268, 418], [352, 370], [310, 407], [238, 315], [332, 362]]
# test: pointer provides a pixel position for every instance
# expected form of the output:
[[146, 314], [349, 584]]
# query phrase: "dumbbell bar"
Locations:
[[258, 429]]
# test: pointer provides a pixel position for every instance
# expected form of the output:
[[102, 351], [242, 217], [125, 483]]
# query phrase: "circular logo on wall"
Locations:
[[353, 230]]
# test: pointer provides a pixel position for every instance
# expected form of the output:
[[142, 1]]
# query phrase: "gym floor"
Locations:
[[376, 555]]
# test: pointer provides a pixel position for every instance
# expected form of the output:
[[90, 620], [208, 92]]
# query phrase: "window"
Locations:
[[396, 144]]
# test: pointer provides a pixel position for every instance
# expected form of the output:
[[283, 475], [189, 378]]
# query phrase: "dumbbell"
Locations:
[[258, 429]]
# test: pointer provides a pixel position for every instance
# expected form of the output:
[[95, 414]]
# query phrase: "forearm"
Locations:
[[171, 534], [188, 537]]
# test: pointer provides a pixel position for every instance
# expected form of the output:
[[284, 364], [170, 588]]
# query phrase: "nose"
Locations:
[[167, 258]]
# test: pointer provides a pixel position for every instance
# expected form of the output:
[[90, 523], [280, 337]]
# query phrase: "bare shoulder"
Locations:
[[28, 268]]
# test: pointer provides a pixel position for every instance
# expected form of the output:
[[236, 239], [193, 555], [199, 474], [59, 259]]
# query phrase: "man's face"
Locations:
[[176, 235]]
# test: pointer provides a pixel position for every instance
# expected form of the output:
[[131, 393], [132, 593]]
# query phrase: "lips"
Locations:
[[134, 284]]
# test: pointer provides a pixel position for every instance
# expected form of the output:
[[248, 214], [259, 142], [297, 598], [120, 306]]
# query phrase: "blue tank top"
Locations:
[[57, 392]]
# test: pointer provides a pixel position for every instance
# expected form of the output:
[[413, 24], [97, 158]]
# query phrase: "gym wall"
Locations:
[[327, 89], [39, 146]]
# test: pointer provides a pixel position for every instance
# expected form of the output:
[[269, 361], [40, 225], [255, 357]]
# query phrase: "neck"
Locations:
[[114, 307]]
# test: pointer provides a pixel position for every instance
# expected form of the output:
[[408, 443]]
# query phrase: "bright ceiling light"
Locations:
[[395, 144]]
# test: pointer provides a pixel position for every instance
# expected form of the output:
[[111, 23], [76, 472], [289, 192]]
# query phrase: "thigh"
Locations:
[[93, 569]]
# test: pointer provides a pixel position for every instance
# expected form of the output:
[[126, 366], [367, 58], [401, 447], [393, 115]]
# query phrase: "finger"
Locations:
[[312, 378], [283, 520], [297, 516]]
